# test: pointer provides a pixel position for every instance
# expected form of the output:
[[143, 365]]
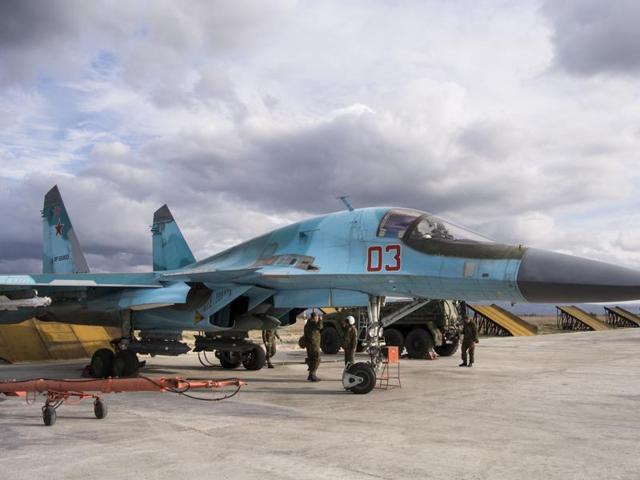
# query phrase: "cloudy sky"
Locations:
[[518, 118]]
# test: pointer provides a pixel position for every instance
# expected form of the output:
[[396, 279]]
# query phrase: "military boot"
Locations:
[[463, 364], [269, 365], [313, 378]]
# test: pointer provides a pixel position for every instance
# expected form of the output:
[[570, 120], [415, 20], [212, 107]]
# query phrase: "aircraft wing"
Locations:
[[79, 281], [207, 274], [24, 296]]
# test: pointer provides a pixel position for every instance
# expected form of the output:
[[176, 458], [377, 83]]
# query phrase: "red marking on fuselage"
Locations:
[[376, 258]]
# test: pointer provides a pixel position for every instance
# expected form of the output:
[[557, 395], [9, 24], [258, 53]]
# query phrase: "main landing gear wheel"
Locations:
[[99, 409], [330, 341], [48, 415], [359, 378], [125, 364], [102, 363], [229, 360], [255, 359], [418, 343]]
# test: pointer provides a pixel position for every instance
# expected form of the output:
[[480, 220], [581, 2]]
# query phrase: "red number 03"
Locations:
[[376, 260]]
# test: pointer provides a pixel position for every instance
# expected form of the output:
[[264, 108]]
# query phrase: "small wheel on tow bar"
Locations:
[[359, 378], [102, 363], [125, 364], [48, 415], [99, 409], [255, 358], [229, 360]]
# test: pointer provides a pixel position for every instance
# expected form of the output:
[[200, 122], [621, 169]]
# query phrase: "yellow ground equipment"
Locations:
[[33, 340], [495, 320], [574, 318], [619, 317]]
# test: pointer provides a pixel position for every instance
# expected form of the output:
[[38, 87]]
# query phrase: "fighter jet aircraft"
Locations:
[[347, 258]]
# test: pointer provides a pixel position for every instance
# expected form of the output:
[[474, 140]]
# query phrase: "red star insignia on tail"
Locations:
[[59, 228]]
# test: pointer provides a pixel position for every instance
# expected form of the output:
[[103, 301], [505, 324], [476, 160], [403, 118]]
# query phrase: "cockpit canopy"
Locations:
[[415, 225], [429, 234]]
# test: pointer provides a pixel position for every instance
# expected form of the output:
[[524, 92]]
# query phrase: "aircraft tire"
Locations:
[[228, 360], [447, 349], [256, 359], [418, 343], [102, 363], [368, 375], [394, 338], [125, 364], [100, 409], [330, 341], [49, 415]]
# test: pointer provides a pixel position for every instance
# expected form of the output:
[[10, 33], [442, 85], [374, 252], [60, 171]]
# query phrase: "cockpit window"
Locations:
[[430, 227], [394, 224], [432, 235]]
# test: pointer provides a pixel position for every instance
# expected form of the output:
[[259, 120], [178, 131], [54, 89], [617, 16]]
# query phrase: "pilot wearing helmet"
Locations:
[[350, 340]]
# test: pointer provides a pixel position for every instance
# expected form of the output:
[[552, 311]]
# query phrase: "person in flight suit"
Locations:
[[350, 340], [312, 330], [269, 339], [470, 338]]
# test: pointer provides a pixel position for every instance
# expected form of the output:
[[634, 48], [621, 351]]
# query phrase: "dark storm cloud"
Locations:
[[155, 40], [592, 36], [307, 168], [28, 22]]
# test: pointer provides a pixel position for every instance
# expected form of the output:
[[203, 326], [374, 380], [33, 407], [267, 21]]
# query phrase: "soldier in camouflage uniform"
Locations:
[[269, 339], [470, 338], [350, 340], [312, 331]]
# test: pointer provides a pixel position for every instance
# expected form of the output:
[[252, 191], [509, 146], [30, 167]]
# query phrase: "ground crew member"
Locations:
[[312, 341], [470, 338], [269, 340], [349, 340]]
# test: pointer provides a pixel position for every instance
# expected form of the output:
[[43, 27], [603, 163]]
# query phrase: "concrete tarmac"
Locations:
[[547, 407]]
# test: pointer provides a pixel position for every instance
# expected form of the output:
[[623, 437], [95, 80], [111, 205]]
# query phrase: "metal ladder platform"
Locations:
[[570, 317], [619, 317], [495, 320]]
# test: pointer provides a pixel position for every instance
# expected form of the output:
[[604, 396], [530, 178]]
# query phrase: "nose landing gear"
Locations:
[[361, 377]]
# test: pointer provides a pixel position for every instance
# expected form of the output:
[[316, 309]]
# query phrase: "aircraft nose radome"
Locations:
[[554, 277]]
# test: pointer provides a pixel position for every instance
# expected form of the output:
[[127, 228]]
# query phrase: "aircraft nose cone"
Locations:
[[554, 277]]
